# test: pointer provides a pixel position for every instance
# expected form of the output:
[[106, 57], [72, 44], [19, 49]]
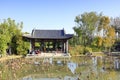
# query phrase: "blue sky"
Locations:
[[54, 14]]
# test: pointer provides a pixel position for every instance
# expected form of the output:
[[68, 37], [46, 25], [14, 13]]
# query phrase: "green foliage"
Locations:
[[74, 41], [8, 28], [10, 33], [94, 30], [76, 50], [97, 41], [87, 50], [108, 32], [86, 24], [79, 50], [3, 43], [21, 46], [96, 49]]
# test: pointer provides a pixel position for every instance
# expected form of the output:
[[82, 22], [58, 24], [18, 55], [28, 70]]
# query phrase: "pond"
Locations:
[[74, 68]]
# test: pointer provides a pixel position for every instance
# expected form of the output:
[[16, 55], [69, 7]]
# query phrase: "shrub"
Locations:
[[87, 50], [96, 49], [76, 50]]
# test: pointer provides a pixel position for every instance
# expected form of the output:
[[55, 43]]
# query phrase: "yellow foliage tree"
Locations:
[[100, 41], [108, 33]]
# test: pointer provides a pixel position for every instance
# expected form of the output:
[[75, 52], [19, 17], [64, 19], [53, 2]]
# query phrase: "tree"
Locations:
[[21, 46], [77, 38], [9, 33], [115, 22], [108, 32], [85, 26]]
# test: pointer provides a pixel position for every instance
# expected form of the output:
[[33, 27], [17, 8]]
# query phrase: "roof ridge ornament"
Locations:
[[33, 31], [64, 31]]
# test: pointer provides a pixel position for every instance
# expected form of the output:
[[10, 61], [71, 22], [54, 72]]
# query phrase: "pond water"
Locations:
[[75, 68]]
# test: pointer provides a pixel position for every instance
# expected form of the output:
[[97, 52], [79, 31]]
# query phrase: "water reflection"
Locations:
[[48, 60], [72, 66], [47, 79], [41, 78], [51, 60], [94, 60], [81, 67], [71, 78], [65, 78], [59, 63], [116, 64], [27, 78]]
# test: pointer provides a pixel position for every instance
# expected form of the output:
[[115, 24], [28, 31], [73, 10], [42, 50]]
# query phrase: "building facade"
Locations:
[[49, 40]]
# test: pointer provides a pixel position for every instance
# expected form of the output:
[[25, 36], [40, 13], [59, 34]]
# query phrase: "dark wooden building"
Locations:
[[49, 40]]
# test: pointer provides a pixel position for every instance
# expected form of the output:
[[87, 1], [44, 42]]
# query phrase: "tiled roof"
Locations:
[[50, 34]]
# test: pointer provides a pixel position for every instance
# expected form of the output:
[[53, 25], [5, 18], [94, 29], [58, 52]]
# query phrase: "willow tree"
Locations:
[[85, 26]]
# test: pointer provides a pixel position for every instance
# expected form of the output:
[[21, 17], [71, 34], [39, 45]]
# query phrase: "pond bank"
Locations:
[[10, 57], [93, 54], [49, 55]]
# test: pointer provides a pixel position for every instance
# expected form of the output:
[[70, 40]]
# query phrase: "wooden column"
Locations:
[[67, 46], [48, 46], [54, 45], [61, 47], [62, 43], [32, 44], [64, 47]]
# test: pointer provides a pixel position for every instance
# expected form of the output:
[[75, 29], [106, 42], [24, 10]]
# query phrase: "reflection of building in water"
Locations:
[[71, 78], [116, 64], [72, 66], [51, 60], [27, 78], [59, 63], [94, 60], [48, 60], [94, 65]]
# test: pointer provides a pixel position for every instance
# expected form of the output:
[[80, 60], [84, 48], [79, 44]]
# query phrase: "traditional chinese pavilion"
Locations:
[[49, 40]]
